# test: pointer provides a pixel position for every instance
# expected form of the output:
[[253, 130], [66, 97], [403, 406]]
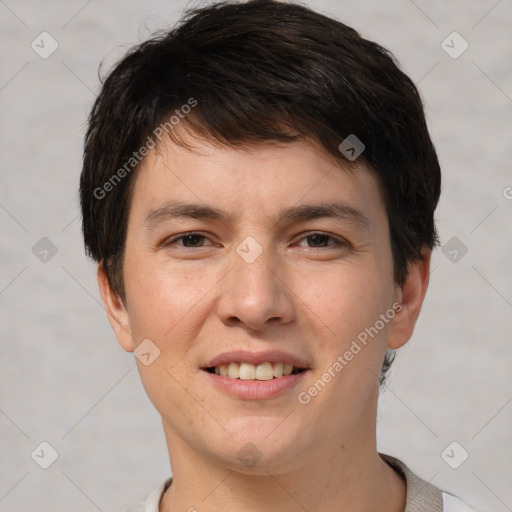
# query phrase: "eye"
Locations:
[[319, 240], [193, 240], [190, 240]]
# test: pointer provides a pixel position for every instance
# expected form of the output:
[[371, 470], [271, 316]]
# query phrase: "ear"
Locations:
[[411, 296], [116, 311]]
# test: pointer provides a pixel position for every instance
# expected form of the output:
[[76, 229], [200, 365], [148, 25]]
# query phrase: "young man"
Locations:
[[258, 190]]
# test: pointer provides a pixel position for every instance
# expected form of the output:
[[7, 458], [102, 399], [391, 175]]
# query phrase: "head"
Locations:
[[248, 109]]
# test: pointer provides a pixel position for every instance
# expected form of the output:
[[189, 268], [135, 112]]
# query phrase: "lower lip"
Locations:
[[255, 389]]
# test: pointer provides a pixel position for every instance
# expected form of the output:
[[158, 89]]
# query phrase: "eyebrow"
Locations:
[[172, 210]]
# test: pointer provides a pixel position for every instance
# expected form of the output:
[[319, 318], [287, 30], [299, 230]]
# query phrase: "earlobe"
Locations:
[[411, 297], [116, 311]]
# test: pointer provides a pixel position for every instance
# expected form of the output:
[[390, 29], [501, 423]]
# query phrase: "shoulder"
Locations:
[[152, 502], [453, 504], [423, 496]]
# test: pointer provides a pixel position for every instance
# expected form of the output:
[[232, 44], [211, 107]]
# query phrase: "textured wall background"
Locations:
[[64, 379]]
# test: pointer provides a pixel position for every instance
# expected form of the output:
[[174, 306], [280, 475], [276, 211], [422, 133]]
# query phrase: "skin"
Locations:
[[308, 297]]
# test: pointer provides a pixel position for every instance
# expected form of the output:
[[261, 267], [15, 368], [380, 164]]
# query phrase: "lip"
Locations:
[[254, 389], [268, 356]]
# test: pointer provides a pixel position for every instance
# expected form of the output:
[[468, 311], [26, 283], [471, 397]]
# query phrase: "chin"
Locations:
[[259, 444]]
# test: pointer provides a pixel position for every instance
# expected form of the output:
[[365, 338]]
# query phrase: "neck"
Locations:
[[344, 478]]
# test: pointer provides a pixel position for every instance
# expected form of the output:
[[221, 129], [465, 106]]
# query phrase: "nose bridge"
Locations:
[[254, 263], [253, 293]]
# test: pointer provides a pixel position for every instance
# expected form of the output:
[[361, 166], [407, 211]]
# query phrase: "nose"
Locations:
[[256, 292]]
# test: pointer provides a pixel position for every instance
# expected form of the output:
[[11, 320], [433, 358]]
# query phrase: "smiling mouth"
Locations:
[[247, 371]]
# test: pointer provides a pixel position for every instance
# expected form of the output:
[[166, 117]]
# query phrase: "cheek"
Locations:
[[162, 297], [165, 307], [347, 299]]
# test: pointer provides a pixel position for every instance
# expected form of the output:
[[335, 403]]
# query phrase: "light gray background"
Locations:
[[65, 380]]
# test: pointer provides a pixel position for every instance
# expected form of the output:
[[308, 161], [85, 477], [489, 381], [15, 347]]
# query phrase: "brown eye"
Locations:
[[190, 240], [321, 240]]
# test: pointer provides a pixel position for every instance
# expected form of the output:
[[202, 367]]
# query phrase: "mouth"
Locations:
[[255, 376], [248, 371]]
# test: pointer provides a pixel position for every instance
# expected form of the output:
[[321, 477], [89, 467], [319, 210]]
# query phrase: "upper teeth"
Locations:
[[248, 371]]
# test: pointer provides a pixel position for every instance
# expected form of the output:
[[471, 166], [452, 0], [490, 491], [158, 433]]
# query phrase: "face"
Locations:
[[258, 273]]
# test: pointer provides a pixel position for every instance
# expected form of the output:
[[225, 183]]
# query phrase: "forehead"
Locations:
[[228, 183]]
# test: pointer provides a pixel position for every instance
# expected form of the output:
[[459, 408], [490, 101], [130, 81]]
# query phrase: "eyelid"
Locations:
[[175, 238], [339, 240]]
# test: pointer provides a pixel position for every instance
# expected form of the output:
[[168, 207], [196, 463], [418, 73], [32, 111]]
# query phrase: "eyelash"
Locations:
[[338, 243]]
